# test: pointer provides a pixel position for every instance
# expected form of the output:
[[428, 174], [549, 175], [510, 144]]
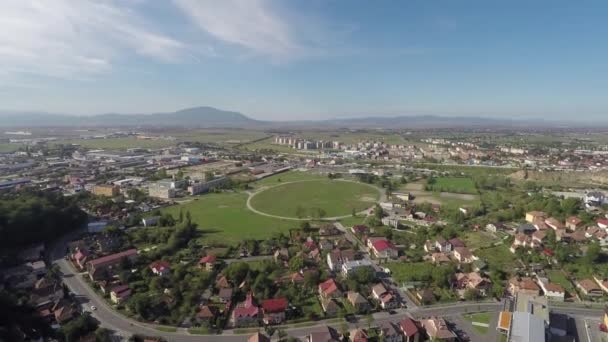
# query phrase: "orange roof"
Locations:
[[504, 320]]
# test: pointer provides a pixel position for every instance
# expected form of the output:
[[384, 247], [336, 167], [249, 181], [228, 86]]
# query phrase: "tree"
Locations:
[[296, 264], [103, 335], [305, 226], [593, 252], [79, 327], [471, 294]]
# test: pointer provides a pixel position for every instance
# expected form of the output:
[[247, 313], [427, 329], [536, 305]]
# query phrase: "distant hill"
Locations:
[[209, 117], [190, 117]]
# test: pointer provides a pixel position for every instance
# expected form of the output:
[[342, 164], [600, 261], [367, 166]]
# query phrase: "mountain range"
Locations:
[[209, 117]]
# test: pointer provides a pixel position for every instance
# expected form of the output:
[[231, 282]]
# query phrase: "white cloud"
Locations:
[[63, 38], [254, 25]]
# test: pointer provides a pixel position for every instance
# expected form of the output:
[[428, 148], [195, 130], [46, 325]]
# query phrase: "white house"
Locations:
[[552, 291]]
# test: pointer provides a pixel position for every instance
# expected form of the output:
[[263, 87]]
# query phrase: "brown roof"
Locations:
[[113, 257], [588, 285]]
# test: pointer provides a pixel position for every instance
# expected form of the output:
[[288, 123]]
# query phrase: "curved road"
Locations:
[[253, 194]]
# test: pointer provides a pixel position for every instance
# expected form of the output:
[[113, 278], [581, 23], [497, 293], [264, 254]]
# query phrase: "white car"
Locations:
[[93, 308]]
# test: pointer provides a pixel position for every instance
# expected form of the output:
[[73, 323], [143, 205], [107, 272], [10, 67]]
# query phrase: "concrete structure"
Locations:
[[201, 188], [161, 190], [106, 190], [526, 328]]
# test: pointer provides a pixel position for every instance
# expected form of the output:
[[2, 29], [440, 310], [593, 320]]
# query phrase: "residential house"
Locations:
[[207, 262], [245, 313], [358, 335], [533, 216], [328, 230], [281, 255], [551, 290], [359, 230], [81, 258], [222, 282], [64, 311], [555, 224], [102, 267], [589, 288], [472, 281], [225, 295], [573, 223], [456, 243], [410, 329], [602, 283], [526, 229], [329, 289], [389, 332], [495, 227], [388, 299], [442, 245], [350, 266], [160, 268], [382, 248], [206, 314], [437, 329], [425, 296], [602, 223], [440, 258], [523, 285], [337, 257], [329, 305], [120, 293], [328, 334], [273, 310], [463, 255], [326, 244], [357, 301], [539, 237]]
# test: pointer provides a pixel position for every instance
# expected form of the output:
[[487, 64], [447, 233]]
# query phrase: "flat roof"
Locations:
[[527, 328], [504, 320]]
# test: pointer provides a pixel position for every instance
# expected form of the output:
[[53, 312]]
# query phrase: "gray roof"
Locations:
[[527, 328]]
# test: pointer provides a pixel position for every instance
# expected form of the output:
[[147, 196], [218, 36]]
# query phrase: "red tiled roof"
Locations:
[[209, 259], [160, 265], [113, 257], [329, 286], [247, 309], [409, 327], [382, 245], [274, 305], [602, 221], [120, 288]]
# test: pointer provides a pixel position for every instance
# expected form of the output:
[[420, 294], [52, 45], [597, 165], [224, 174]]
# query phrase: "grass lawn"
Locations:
[[558, 277], [166, 329], [9, 147], [499, 257], [336, 198], [409, 271], [224, 218], [460, 185], [482, 317], [198, 331], [481, 239]]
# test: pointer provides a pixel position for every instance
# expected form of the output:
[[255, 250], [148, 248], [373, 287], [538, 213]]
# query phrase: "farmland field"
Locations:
[[459, 185], [225, 218], [304, 198]]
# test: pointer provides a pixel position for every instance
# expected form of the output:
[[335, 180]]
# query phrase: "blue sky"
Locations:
[[307, 59]]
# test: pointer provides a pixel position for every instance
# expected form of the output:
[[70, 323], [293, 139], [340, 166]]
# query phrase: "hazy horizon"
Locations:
[[285, 61]]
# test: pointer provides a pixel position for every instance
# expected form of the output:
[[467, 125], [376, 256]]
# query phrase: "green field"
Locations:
[[482, 317], [224, 218], [459, 185], [336, 198], [558, 277], [410, 271], [499, 257]]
